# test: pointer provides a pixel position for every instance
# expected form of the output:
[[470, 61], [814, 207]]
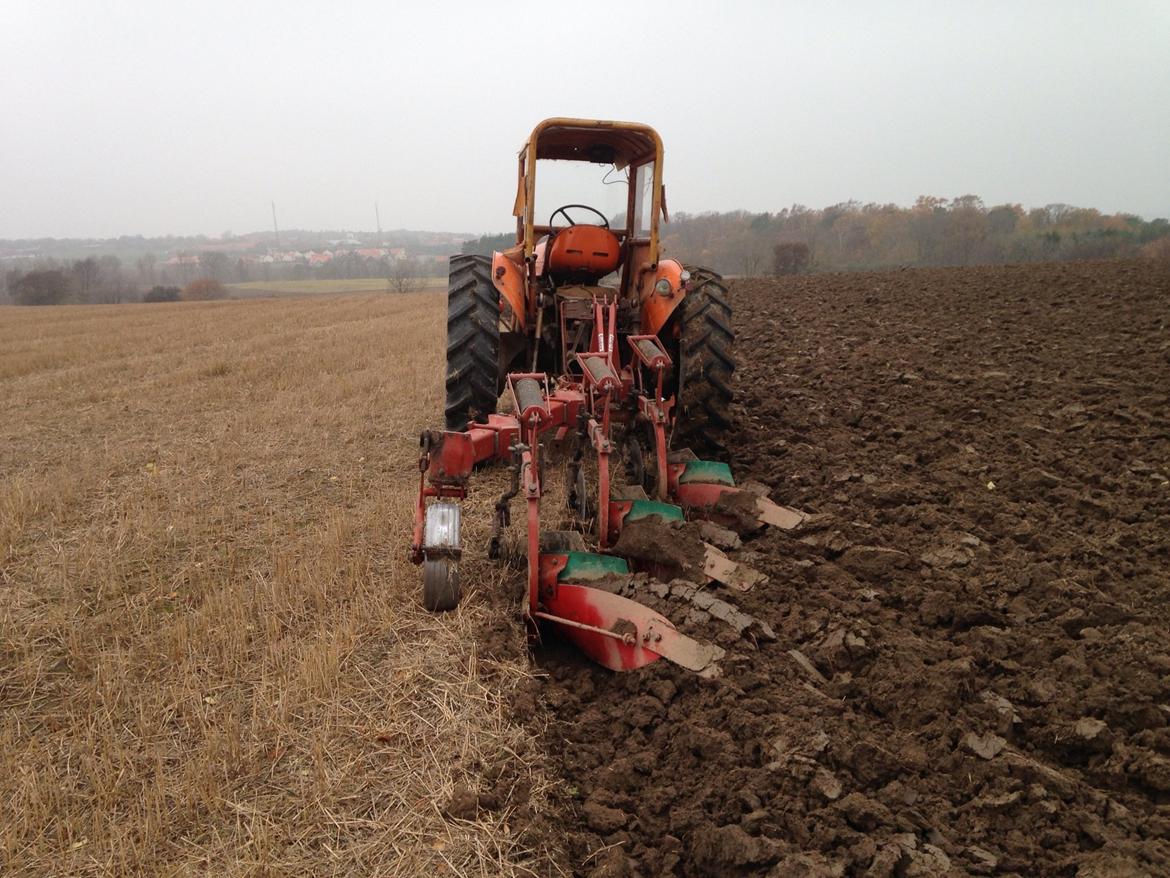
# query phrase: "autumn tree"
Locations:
[[790, 257], [966, 227], [204, 289], [1004, 219]]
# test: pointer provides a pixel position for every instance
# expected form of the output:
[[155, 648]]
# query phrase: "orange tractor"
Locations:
[[591, 336]]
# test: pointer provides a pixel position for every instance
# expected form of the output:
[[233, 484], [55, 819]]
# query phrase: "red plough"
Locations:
[[592, 401]]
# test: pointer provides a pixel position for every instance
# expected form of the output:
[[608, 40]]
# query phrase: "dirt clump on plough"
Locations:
[[961, 663], [675, 544]]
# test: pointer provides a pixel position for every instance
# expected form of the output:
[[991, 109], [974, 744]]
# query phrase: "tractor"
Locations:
[[531, 305], [589, 334]]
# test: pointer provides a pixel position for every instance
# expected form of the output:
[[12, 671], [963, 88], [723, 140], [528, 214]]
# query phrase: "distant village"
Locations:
[[338, 248], [371, 257]]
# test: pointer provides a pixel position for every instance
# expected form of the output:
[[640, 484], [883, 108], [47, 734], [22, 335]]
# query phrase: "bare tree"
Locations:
[[145, 265], [85, 275], [187, 266], [753, 257], [214, 264], [404, 277], [111, 284]]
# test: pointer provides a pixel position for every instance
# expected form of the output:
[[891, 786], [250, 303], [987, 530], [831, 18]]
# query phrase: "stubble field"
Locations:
[[212, 661]]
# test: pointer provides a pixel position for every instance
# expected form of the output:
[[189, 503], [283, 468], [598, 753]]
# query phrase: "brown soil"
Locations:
[[971, 671], [670, 544]]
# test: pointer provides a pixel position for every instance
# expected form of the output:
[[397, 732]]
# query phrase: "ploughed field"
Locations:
[[962, 664]]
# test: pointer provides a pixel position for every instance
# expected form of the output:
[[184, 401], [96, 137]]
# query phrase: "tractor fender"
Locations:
[[509, 280], [657, 307]]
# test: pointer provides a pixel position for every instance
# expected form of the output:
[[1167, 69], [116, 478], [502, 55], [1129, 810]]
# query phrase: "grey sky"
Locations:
[[162, 117]]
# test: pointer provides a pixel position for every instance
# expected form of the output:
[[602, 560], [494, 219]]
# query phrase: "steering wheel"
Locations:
[[563, 211]]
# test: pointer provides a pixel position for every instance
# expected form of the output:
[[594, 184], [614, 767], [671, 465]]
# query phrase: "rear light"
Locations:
[[663, 288]]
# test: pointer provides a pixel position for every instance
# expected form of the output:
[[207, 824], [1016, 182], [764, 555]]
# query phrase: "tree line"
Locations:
[[106, 279], [851, 235], [933, 231]]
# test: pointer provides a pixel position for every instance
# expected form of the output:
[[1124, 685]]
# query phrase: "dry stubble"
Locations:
[[212, 658]]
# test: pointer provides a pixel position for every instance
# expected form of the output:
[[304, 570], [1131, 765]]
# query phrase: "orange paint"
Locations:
[[509, 280], [656, 309], [584, 248]]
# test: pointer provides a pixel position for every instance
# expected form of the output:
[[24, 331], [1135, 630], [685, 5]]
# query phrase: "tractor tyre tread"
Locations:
[[473, 341], [707, 360]]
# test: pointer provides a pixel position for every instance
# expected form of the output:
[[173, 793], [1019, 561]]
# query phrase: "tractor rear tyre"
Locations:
[[473, 341], [706, 362]]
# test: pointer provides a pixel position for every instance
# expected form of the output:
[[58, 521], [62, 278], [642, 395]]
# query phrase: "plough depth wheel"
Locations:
[[442, 551]]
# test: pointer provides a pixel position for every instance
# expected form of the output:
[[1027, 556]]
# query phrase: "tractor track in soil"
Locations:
[[971, 665]]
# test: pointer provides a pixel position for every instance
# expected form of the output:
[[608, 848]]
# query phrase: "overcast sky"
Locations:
[[165, 117]]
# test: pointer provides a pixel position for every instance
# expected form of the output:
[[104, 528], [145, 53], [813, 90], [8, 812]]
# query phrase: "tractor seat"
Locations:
[[582, 250]]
